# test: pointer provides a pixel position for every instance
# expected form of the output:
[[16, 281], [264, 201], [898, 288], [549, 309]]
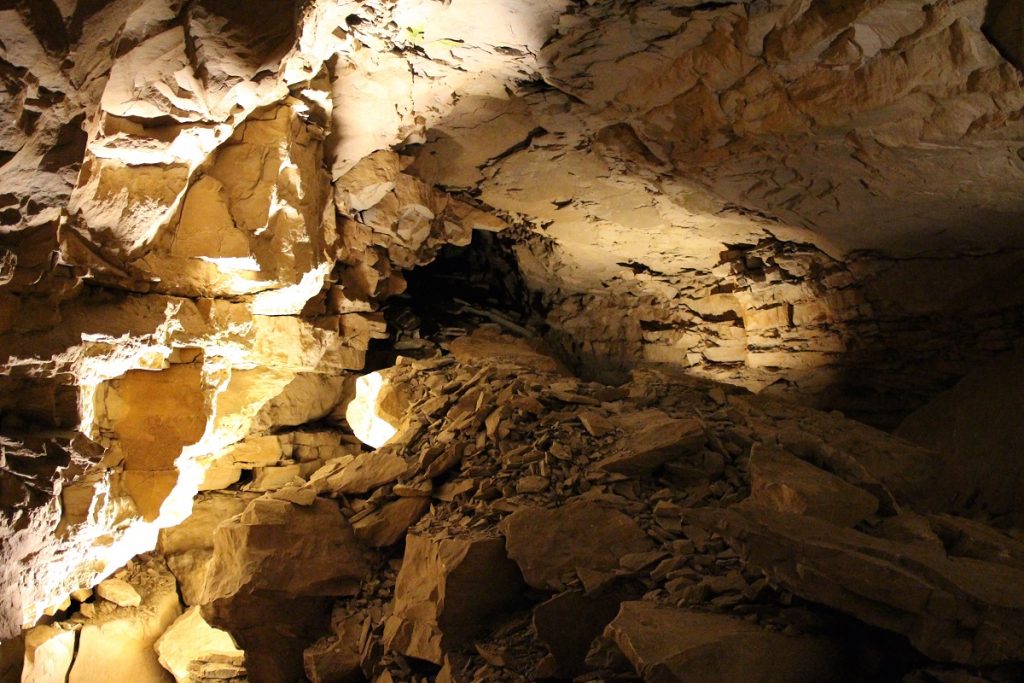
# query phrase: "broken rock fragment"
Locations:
[[387, 525], [669, 645], [119, 592], [448, 590], [117, 644], [550, 545], [650, 439], [192, 650], [785, 483], [952, 608], [48, 654], [274, 573], [358, 474]]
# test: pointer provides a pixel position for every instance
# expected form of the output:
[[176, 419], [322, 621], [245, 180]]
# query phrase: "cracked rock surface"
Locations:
[[259, 391]]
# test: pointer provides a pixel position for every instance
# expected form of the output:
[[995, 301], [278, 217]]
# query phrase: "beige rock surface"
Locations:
[[49, 652], [552, 546], [117, 643], [665, 645], [193, 650], [447, 591], [785, 483]]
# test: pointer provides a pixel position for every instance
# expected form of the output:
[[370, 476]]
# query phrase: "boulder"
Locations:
[[275, 571], [248, 548], [785, 483], [449, 590], [952, 607], [569, 622], [669, 645], [49, 651], [358, 474], [192, 650], [188, 547], [119, 592], [117, 644], [550, 545], [336, 658], [650, 439], [388, 524]]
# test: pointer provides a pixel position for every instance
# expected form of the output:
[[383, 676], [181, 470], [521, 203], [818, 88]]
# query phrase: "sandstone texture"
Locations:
[[386, 341]]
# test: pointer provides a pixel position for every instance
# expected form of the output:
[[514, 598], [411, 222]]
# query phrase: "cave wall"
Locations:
[[202, 210]]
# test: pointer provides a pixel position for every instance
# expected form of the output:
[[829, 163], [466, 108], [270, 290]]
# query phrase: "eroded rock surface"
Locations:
[[666, 645], [207, 218]]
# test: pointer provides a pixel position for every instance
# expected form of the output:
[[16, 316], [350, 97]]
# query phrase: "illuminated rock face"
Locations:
[[203, 209]]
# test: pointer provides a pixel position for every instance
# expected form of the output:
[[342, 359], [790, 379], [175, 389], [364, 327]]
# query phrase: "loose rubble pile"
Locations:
[[523, 524]]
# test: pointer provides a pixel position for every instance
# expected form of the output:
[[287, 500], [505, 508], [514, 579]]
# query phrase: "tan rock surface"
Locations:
[[447, 591], [551, 546], [336, 658], [203, 210], [254, 592], [48, 654], [785, 483], [665, 645], [193, 650], [649, 440], [119, 592], [952, 607], [117, 643]]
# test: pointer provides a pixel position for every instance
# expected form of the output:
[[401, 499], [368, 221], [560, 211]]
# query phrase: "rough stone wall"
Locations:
[[203, 206], [874, 337]]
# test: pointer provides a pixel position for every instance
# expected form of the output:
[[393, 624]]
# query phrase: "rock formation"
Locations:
[[511, 340]]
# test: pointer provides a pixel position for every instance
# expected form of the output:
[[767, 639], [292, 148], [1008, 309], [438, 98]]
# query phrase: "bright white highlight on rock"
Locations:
[[363, 417]]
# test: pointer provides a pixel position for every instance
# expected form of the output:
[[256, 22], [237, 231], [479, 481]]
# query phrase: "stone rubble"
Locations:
[[209, 220], [744, 538]]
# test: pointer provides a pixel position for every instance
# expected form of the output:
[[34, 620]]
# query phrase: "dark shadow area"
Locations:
[[1004, 28], [463, 288]]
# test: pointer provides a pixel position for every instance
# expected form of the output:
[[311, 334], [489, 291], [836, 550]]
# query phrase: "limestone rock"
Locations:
[[666, 645], [552, 545], [48, 654], [119, 592], [273, 611], [786, 483], [449, 590], [247, 551], [117, 643], [651, 439], [192, 650], [358, 474], [336, 658], [387, 525], [491, 344], [952, 607], [188, 547], [569, 622]]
